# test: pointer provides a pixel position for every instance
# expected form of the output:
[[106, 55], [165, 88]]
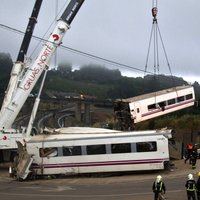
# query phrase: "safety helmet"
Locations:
[[190, 176], [158, 178], [198, 173]]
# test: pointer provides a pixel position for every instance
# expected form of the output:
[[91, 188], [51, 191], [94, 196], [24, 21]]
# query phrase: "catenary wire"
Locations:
[[114, 63]]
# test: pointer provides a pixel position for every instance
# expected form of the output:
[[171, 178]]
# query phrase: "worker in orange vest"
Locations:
[[189, 149]]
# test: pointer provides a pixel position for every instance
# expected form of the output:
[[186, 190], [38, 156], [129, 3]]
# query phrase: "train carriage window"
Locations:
[[152, 106], [179, 99], [171, 101], [71, 151], [48, 152], [96, 149], [121, 148], [188, 96], [146, 146], [162, 105]]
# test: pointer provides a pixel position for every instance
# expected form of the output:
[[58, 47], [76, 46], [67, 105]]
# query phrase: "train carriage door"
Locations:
[[138, 112], [132, 111]]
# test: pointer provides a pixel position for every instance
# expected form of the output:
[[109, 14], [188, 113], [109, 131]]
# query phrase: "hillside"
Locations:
[[104, 83], [94, 81]]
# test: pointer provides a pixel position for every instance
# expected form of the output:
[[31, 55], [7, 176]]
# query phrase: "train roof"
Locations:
[[157, 93], [79, 130], [94, 133]]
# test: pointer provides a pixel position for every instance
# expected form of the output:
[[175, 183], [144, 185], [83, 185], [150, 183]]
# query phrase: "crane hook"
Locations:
[[154, 11]]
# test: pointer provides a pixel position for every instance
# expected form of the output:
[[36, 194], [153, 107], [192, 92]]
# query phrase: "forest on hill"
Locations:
[[96, 81]]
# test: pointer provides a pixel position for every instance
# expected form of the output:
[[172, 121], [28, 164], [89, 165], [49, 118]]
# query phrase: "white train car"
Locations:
[[155, 104], [93, 150]]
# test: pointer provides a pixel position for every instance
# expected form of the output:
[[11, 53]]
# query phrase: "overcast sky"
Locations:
[[117, 30]]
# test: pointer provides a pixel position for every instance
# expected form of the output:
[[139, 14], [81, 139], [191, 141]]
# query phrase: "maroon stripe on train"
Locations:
[[103, 163]]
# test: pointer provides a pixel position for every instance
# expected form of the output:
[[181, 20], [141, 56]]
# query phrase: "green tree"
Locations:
[[5, 70], [65, 69]]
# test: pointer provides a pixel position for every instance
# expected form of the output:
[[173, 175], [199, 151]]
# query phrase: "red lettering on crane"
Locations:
[[28, 83], [45, 55], [55, 37], [41, 63], [4, 138]]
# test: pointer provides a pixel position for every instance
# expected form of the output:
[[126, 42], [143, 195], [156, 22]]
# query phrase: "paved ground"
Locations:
[[179, 169], [117, 187]]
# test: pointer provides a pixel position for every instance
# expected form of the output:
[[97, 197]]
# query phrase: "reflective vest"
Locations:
[[190, 147], [159, 186], [191, 185]]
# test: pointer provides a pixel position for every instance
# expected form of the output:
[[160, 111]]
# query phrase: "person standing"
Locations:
[[190, 187], [198, 187], [158, 187], [193, 158], [188, 152]]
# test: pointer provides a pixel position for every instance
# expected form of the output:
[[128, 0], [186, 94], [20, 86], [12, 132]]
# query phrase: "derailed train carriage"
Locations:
[[140, 108], [81, 150]]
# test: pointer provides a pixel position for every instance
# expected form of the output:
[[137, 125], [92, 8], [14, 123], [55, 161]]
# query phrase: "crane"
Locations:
[[19, 65], [8, 135]]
